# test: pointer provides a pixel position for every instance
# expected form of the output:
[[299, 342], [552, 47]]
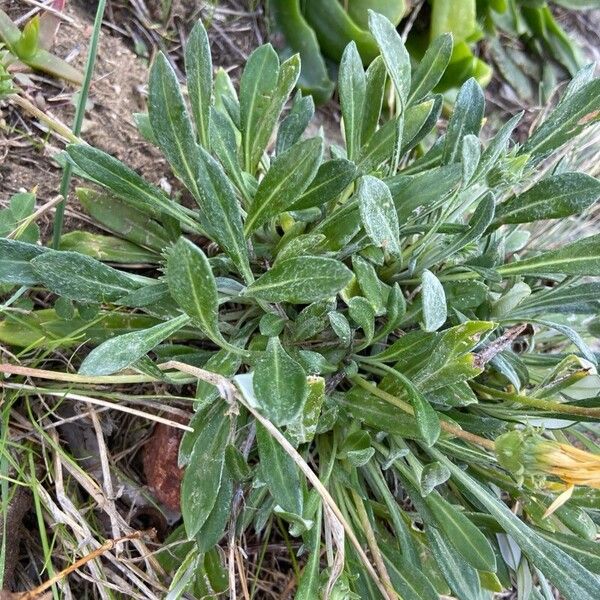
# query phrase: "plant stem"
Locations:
[[79, 114], [547, 405], [447, 427]]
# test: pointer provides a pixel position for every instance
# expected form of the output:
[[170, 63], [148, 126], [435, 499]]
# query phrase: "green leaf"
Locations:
[[125, 183], [193, 287], [351, 90], [378, 214], [466, 538], [288, 177], [203, 476], [577, 109], [264, 88], [554, 197], [395, 56], [303, 430], [431, 68], [295, 123], [435, 311], [466, 118], [82, 278], [198, 68], [332, 178], [573, 580], [127, 222], [213, 529], [380, 147], [279, 384], [585, 552], [433, 475], [427, 418], [15, 258], [361, 311], [171, 123], [406, 578], [223, 144], [301, 280], [374, 93], [309, 584], [370, 285], [120, 352], [497, 147], [356, 449], [221, 211], [106, 248], [462, 578], [279, 472], [579, 258]]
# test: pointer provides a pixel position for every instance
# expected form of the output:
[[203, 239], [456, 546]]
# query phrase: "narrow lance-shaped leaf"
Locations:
[[82, 278], [288, 177], [467, 118], [279, 384], [434, 306], [102, 168], [351, 90], [378, 214], [374, 93], [431, 68], [192, 285], [332, 178], [301, 279], [279, 472], [427, 419], [470, 543], [554, 197], [171, 123], [203, 476], [394, 53], [122, 351], [198, 68], [572, 580], [579, 258], [15, 257]]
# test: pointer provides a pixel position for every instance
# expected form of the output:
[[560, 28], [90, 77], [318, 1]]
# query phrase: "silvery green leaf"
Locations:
[[331, 179], [302, 280], [470, 154], [193, 287], [351, 90], [279, 384], [553, 197], [433, 475], [295, 123], [361, 311], [374, 93], [303, 430], [378, 214], [289, 175], [279, 472], [15, 258], [395, 56], [466, 118], [431, 68], [120, 352], [198, 68], [434, 307], [81, 278], [578, 258], [203, 476]]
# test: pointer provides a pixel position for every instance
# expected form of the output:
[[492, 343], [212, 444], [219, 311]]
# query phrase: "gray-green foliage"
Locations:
[[361, 295]]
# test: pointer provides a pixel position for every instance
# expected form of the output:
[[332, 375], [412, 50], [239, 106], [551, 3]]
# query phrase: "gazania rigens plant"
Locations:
[[362, 322]]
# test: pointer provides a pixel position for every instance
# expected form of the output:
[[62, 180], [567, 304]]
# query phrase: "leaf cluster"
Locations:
[[368, 302]]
